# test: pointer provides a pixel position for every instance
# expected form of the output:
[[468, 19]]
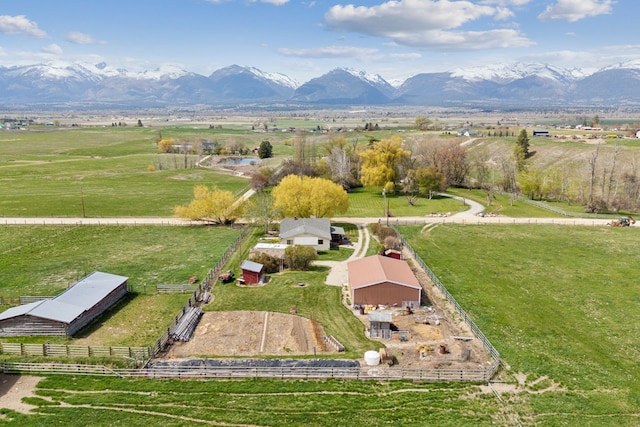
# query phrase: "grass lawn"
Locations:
[[369, 202], [556, 301], [78, 401], [45, 260]]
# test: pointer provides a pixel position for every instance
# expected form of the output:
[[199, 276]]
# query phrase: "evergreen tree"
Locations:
[[265, 150]]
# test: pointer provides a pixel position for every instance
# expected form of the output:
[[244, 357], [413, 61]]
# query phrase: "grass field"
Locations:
[[78, 401], [96, 173], [368, 202], [560, 302], [44, 260]]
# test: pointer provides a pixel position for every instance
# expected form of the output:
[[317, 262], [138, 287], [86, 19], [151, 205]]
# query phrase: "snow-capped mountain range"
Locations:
[[518, 85]]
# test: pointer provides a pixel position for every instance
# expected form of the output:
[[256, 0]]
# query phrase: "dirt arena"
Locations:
[[251, 333]]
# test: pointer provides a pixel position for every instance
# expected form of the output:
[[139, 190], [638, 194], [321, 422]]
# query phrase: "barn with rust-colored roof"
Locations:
[[380, 280]]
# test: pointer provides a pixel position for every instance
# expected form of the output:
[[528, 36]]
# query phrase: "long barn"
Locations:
[[68, 312]]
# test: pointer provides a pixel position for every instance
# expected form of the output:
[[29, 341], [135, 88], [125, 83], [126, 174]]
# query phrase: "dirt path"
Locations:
[[13, 388]]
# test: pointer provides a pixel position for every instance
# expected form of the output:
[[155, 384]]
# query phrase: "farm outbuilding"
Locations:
[[68, 312], [380, 280], [252, 272]]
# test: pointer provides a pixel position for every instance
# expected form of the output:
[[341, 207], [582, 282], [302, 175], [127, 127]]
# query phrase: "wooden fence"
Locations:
[[48, 349], [207, 284], [355, 373], [175, 289], [474, 328]]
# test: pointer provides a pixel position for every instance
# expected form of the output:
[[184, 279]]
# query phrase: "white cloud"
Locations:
[[20, 25], [53, 49], [465, 40], [328, 52], [506, 2], [426, 24], [575, 10], [81, 38]]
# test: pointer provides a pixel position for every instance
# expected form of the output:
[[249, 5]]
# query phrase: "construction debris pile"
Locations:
[[187, 324]]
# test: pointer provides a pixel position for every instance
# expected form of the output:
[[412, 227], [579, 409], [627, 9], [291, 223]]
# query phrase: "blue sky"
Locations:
[[305, 39]]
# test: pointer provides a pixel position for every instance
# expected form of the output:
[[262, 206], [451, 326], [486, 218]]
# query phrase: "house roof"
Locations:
[[70, 304], [251, 266], [320, 227], [376, 269]]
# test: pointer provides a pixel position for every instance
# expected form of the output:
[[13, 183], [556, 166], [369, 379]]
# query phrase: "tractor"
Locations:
[[625, 221]]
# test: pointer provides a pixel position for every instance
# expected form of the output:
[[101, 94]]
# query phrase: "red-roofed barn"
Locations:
[[380, 280]]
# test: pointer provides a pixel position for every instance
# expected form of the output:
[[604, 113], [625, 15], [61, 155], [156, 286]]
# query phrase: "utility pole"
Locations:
[[82, 202]]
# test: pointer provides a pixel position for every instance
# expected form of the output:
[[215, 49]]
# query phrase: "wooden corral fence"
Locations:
[[493, 352], [356, 373], [175, 288], [200, 294], [48, 349]]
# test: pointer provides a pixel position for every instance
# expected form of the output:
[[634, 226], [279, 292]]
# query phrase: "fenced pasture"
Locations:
[[561, 303], [44, 260], [72, 400]]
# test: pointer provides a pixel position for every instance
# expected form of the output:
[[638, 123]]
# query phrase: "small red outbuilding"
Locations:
[[252, 272]]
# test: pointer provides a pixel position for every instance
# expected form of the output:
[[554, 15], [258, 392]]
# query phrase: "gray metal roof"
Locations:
[[380, 316], [320, 227], [251, 266], [70, 304]]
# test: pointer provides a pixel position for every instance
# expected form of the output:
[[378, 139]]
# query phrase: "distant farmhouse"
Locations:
[[68, 312]]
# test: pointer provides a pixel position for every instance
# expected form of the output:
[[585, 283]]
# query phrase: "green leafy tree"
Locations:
[[521, 150], [298, 257], [431, 180], [265, 150], [422, 122]]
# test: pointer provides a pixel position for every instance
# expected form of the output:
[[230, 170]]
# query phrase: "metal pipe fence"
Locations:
[[350, 373], [493, 352]]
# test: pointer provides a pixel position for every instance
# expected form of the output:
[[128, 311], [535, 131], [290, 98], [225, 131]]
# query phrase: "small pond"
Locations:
[[238, 161]]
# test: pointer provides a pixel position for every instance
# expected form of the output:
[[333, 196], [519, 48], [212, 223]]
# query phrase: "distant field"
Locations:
[[96, 172], [44, 260], [558, 302]]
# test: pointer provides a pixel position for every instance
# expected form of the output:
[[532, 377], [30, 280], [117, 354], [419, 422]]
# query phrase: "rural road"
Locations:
[[470, 216]]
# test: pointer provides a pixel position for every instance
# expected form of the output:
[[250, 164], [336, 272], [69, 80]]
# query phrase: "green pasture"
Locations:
[[369, 202], [97, 173], [45, 260], [81, 401], [560, 302]]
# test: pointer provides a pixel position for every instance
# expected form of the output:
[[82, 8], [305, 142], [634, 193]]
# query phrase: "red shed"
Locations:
[[252, 272]]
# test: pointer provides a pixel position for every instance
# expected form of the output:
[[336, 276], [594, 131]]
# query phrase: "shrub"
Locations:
[[299, 257], [271, 264]]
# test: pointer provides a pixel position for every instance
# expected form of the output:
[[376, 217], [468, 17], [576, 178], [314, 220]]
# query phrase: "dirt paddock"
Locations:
[[251, 333]]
